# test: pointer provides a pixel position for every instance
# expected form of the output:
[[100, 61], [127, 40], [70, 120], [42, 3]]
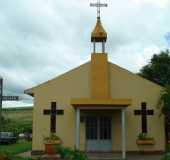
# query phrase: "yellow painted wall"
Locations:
[[125, 84], [72, 84], [99, 76], [76, 84]]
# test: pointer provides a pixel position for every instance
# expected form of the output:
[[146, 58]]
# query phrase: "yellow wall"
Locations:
[[99, 76], [60, 90], [76, 84], [125, 84]]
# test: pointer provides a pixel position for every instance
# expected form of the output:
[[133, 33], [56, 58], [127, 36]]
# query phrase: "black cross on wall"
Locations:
[[53, 112], [144, 112]]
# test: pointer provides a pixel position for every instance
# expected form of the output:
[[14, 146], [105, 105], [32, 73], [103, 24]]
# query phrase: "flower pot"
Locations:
[[50, 147], [145, 142]]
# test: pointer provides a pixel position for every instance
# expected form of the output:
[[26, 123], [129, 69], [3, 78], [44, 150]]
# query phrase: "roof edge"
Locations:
[[134, 74], [30, 90]]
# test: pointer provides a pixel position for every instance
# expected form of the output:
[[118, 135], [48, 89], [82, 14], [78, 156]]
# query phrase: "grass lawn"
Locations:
[[13, 149]]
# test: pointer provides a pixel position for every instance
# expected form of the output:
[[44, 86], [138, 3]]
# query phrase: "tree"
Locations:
[[164, 104], [158, 70]]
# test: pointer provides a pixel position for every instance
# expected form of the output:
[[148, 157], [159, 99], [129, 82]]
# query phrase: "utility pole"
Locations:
[[1, 98], [4, 98]]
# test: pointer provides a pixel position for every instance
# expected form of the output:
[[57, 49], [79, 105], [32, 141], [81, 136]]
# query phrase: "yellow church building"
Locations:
[[98, 107]]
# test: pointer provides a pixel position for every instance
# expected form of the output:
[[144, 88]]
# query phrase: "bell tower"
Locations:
[[99, 62], [98, 34]]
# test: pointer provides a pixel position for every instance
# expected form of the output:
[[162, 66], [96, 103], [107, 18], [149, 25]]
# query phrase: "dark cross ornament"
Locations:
[[98, 5], [144, 113], [53, 112]]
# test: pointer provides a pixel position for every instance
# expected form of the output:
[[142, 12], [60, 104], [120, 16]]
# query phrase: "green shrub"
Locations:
[[21, 158], [69, 154], [165, 157], [7, 156], [4, 156], [17, 127], [65, 153], [9, 125], [77, 155]]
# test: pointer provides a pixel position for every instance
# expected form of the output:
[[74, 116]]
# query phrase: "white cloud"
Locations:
[[44, 38], [157, 3], [134, 56]]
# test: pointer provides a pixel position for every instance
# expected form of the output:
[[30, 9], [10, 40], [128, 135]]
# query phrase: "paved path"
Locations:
[[144, 157], [118, 157], [108, 156], [25, 154]]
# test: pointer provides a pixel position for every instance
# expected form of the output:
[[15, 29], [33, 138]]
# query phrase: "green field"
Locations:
[[18, 114], [17, 120]]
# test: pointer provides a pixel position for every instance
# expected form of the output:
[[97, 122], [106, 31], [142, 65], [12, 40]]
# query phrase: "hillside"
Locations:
[[18, 114], [17, 119]]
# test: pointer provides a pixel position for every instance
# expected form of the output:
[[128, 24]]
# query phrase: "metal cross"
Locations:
[[98, 5], [53, 112], [144, 112]]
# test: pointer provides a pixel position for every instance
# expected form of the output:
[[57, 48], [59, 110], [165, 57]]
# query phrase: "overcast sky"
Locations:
[[41, 39]]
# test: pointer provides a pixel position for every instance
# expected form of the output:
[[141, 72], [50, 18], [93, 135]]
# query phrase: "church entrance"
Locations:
[[99, 133]]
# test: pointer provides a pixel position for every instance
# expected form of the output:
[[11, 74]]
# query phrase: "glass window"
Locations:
[[91, 127]]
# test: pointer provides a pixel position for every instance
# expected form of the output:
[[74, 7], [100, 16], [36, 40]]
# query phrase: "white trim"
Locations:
[[77, 135], [102, 108], [123, 134]]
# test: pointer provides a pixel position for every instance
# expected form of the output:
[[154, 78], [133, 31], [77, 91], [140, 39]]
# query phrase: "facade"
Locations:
[[99, 104]]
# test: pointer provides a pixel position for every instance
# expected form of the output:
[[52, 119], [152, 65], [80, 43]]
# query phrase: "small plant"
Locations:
[[166, 155], [144, 136], [65, 153], [77, 155], [145, 139], [53, 138], [21, 158], [69, 154], [7, 156], [4, 156]]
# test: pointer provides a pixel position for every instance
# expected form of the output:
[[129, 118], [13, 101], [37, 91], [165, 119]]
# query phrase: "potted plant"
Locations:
[[50, 144], [144, 139]]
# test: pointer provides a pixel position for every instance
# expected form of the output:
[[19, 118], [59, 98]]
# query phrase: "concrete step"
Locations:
[[103, 156], [51, 157]]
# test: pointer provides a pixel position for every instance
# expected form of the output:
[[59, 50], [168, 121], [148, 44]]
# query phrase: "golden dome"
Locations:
[[98, 34]]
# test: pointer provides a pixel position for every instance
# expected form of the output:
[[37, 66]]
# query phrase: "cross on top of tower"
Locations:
[[98, 5]]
